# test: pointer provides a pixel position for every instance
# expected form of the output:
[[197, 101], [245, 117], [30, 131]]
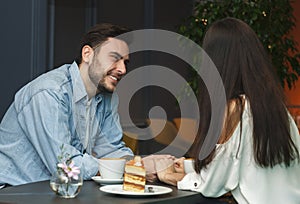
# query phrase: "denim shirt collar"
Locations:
[[78, 85], [79, 91]]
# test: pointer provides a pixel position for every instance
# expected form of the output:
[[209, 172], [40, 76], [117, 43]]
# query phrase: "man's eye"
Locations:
[[117, 58]]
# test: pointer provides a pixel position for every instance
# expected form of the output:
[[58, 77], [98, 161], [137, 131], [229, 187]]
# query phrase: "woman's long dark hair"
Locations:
[[246, 69]]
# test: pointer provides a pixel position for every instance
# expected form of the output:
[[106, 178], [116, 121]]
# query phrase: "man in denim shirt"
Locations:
[[72, 106]]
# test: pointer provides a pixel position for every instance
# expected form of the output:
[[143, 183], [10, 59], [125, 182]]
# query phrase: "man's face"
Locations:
[[109, 64]]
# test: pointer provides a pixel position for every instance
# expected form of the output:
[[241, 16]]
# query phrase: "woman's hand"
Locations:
[[178, 165], [166, 171], [149, 163]]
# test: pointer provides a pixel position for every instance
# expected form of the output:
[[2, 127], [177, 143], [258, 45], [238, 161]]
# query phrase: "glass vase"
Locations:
[[64, 186]]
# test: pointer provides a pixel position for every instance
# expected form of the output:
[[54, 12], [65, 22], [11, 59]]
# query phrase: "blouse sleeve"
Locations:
[[216, 180]]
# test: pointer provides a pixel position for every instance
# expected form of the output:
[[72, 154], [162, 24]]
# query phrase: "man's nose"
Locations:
[[121, 67]]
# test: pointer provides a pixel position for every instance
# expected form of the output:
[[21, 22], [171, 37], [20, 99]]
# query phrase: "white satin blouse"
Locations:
[[237, 172]]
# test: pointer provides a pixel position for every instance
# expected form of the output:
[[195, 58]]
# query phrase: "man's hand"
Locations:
[[164, 166], [149, 163]]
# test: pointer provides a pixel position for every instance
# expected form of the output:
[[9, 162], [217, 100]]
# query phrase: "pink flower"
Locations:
[[71, 170]]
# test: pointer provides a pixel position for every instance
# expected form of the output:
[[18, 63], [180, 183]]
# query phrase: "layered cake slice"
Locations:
[[134, 175]]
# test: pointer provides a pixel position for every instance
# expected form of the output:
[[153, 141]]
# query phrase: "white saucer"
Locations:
[[118, 189], [103, 181]]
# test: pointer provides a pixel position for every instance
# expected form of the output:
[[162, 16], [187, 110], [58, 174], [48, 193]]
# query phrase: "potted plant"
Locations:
[[271, 20]]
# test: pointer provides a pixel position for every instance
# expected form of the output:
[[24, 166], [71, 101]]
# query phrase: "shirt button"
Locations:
[[195, 184]]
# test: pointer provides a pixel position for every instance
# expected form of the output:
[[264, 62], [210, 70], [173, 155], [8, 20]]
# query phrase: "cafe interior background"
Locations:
[[39, 35]]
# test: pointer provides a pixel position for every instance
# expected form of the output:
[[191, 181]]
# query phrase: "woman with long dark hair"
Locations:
[[257, 155]]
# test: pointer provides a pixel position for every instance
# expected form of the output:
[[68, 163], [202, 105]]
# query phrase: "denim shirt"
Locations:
[[51, 111]]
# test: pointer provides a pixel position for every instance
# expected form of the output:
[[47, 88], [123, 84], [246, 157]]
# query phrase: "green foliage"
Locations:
[[271, 20]]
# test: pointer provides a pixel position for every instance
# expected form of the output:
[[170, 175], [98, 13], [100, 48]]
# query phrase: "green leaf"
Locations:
[[271, 20]]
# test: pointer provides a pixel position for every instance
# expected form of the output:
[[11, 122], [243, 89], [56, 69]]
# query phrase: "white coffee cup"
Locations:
[[111, 168], [189, 165]]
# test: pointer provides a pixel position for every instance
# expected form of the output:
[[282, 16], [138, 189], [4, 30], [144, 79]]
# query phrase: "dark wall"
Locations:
[[23, 45], [70, 22], [39, 35]]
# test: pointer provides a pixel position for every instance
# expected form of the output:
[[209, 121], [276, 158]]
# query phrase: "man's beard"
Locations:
[[101, 88], [98, 82]]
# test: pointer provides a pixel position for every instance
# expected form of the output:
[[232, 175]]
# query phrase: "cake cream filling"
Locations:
[[135, 170], [137, 180]]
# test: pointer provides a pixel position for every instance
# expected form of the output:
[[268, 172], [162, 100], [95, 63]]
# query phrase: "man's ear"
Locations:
[[87, 54]]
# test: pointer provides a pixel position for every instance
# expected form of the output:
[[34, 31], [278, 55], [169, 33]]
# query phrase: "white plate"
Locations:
[[103, 181], [118, 189]]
